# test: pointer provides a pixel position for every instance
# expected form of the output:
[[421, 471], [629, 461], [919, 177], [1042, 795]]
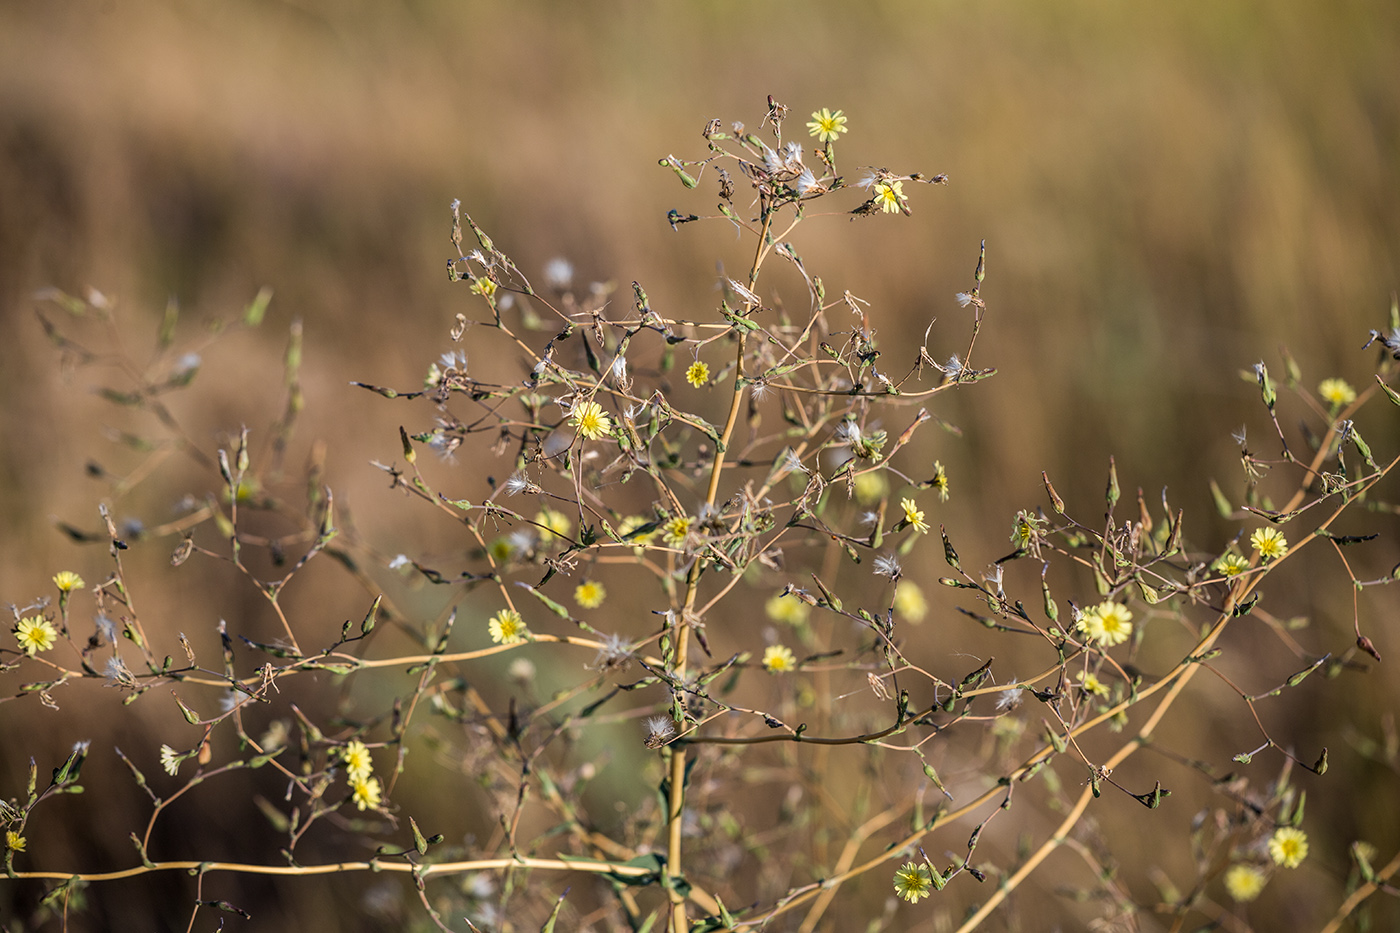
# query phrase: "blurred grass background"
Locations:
[[1168, 192]]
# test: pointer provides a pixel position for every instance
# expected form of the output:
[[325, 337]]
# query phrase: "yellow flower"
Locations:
[[1244, 882], [35, 634], [1090, 683], [889, 195], [553, 524], [940, 481], [778, 659], [366, 793], [507, 628], [827, 126], [14, 841], [698, 374], [629, 525], [67, 581], [871, 487], [676, 530], [590, 419], [909, 602], [1269, 542], [501, 550], [1288, 846], [1231, 565], [358, 763], [486, 288], [1336, 392], [913, 881], [787, 609], [913, 515], [590, 594], [1108, 623]]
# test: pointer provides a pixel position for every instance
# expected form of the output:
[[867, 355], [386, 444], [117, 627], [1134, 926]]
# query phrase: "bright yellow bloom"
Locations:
[[1108, 623], [909, 602], [778, 659], [698, 374], [14, 841], [787, 609], [1288, 846], [507, 628], [676, 530], [913, 881], [35, 634], [553, 524], [485, 288], [366, 793], [914, 515], [590, 419], [1336, 392], [827, 126], [1091, 684], [358, 763], [67, 581], [1269, 542], [590, 594], [1231, 565], [889, 195], [940, 481], [1245, 882]]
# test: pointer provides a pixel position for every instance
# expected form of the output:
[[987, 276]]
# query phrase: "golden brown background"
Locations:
[[1168, 192]]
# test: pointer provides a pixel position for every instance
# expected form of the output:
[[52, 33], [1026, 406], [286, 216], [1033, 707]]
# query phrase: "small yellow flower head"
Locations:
[[940, 481], [14, 841], [827, 126], [169, 759], [909, 602], [787, 609], [1090, 683], [630, 524], [1108, 623], [501, 550], [366, 793], [486, 288], [676, 530], [914, 515], [698, 374], [1245, 882], [778, 659], [889, 195], [913, 881], [1025, 529], [871, 487], [1269, 542], [67, 581], [553, 524], [1231, 565], [590, 419], [1288, 846], [507, 628], [590, 594], [358, 763], [34, 634], [1336, 392]]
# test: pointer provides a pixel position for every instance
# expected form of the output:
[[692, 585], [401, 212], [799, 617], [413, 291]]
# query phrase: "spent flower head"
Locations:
[[1269, 542], [827, 126], [660, 729], [170, 759], [507, 628]]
